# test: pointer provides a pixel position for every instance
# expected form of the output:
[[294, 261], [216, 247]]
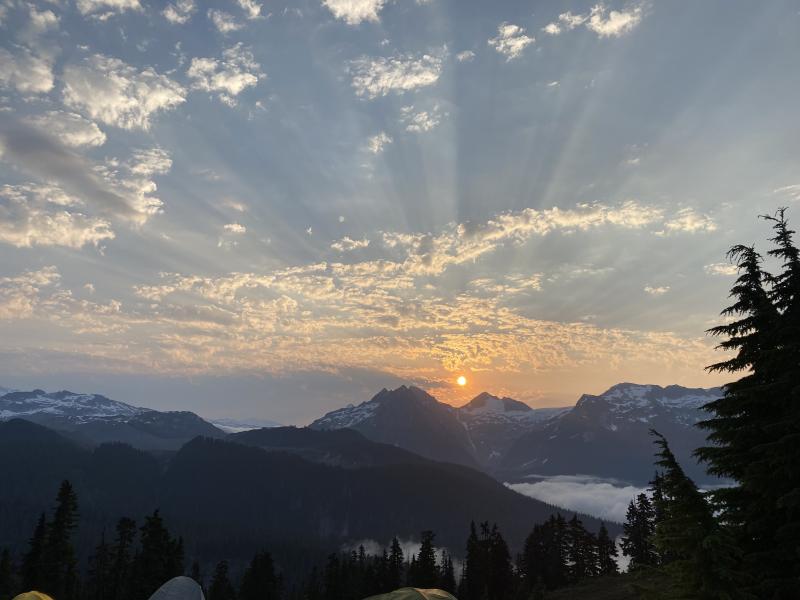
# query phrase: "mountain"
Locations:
[[608, 435], [94, 419], [227, 498], [239, 425], [494, 423], [409, 418]]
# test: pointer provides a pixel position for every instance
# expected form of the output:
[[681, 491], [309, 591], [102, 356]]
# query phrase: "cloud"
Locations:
[[117, 94], [347, 244], [229, 76], [112, 190], [722, 269], [32, 215], [600, 20], [235, 228], [180, 11], [656, 290], [510, 40], [378, 142], [25, 72], [234, 204], [600, 498], [375, 77], [71, 128], [224, 22], [465, 56], [354, 12], [19, 294], [251, 8], [421, 121], [104, 9], [689, 221], [792, 191], [42, 20], [154, 161]]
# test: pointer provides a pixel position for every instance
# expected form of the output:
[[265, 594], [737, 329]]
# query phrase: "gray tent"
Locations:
[[410, 593], [179, 588]]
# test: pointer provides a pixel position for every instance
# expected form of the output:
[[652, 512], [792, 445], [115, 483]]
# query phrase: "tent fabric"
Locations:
[[34, 595], [179, 588], [410, 593]]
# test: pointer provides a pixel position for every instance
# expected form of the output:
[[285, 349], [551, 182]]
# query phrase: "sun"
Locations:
[[461, 380]]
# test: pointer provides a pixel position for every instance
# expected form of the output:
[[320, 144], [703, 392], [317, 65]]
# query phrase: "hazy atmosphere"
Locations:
[[272, 210]]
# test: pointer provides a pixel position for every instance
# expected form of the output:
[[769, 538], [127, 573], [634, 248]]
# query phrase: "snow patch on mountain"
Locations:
[[77, 408]]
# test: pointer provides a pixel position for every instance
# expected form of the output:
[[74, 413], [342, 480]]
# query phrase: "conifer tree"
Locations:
[[447, 578], [426, 572], [32, 561], [703, 557], [99, 583], [7, 579], [59, 564], [259, 581], [606, 553], [474, 568], [221, 587], [395, 567], [501, 573], [121, 559], [637, 542], [160, 558]]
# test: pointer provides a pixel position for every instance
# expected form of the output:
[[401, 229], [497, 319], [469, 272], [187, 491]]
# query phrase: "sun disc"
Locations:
[[461, 380]]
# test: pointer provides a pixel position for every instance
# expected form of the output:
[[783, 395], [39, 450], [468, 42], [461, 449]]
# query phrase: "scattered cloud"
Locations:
[[656, 290], [791, 191], [375, 77], [421, 121], [155, 161], [600, 20], [722, 269], [234, 204], [465, 56], [19, 294], [251, 8], [229, 76], [378, 142], [235, 228], [510, 40], [71, 128], [347, 244], [690, 221], [354, 12], [179, 12], [224, 22], [114, 93], [26, 72], [104, 9], [604, 499]]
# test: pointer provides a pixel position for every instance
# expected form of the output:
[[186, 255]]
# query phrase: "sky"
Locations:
[[272, 209]]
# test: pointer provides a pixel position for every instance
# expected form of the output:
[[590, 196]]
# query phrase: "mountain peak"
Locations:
[[486, 402]]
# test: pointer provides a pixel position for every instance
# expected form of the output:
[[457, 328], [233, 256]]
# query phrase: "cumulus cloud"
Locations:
[[155, 161], [656, 290], [421, 121], [71, 128], [19, 294], [114, 93], [224, 22], [690, 221], [510, 40], [378, 142], [36, 215], [374, 77], [354, 12], [600, 20], [235, 228], [465, 56], [25, 71], [229, 76], [251, 8], [600, 498], [180, 11], [722, 269], [104, 9], [347, 244]]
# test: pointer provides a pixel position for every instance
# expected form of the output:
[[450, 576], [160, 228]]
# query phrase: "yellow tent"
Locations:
[[33, 596], [410, 593]]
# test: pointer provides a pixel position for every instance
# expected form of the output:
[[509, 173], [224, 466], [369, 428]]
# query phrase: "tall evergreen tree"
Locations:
[[59, 564], [447, 577], [121, 560], [426, 572], [32, 561], [638, 529], [703, 557], [221, 587], [501, 572], [7, 579], [99, 584], [160, 558], [259, 581], [581, 550], [606, 553], [395, 568]]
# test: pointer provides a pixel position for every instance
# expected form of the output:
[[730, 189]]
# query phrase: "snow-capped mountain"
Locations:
[[608, 435], [94, 419], [77, 408], [494, 423], [409, 418], [241, 425]]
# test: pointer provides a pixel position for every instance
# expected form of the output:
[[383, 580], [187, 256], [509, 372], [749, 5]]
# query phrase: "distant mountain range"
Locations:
[[604, 436]]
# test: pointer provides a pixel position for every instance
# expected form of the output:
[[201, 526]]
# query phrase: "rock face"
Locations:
[[95, 419], [409, 418], [608, 435]]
